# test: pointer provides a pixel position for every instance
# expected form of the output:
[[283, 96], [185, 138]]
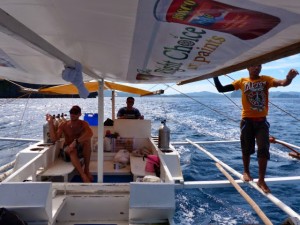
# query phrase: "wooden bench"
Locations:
[[58, 168]]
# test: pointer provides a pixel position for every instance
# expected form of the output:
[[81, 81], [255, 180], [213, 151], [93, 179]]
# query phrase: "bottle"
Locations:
[[58, 119], [163, 136], [55, 122], [108, 141], [62, 117], [46, 133]]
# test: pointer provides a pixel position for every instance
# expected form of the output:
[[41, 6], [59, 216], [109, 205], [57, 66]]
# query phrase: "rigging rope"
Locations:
[[20, 125], [226, 96], [216, 111], [13, 99]]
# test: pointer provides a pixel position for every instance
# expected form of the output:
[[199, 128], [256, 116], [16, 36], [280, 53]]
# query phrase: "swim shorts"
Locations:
[[65, 156], [252, 130]]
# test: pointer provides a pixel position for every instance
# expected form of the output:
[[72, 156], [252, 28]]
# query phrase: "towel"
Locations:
[[74, 75]]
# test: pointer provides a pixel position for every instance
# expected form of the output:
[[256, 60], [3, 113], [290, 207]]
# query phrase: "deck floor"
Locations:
[[108, 168]]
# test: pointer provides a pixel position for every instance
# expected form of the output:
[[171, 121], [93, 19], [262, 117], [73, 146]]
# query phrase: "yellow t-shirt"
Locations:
[[255, 95]]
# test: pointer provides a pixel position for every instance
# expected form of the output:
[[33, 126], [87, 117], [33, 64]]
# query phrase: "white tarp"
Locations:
[[148, 41]]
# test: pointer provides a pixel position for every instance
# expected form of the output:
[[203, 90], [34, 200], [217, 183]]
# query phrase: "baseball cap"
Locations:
[[75, 109]]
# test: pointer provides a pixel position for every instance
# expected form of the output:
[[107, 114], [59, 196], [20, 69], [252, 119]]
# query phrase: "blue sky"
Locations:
[[277, 69]]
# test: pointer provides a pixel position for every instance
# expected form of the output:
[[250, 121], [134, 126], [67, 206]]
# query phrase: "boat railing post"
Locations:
[[100, 130]]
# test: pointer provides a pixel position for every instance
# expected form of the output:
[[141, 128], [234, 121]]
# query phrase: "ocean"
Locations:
[[198, 119]]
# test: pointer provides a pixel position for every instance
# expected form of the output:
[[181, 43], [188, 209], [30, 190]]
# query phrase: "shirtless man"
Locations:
[[77, 134]]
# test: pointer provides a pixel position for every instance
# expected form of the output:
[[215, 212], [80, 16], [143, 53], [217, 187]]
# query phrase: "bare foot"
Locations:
[[263, 186], [85, 179], [90, 176], [247, 177]]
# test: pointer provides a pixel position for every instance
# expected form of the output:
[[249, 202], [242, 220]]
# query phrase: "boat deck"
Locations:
[[108, 168]]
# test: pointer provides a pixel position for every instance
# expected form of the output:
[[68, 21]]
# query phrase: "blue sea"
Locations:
[[198, 119]]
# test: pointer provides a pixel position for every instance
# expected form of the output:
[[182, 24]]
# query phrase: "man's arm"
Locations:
[[120, 114], [222, 88], [138, 114], [86, 134], [288, 80]]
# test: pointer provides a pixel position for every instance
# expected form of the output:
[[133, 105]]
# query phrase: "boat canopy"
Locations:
[[143, 41], [93, 86]]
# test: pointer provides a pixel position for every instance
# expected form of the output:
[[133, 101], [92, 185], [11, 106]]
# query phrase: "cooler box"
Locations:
[[91, 118]]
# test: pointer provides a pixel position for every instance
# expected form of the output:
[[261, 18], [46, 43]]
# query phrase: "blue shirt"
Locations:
[[129, 113]]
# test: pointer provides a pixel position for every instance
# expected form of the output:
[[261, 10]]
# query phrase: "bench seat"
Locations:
[[58, 168]]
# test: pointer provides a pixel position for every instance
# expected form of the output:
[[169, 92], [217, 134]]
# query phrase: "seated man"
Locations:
[[129, 112], [77, 134]]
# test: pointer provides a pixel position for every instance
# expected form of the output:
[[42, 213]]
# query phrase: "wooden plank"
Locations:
[[256, 208]]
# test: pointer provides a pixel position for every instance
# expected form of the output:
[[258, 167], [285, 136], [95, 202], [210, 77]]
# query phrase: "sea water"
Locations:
[[198, 119]]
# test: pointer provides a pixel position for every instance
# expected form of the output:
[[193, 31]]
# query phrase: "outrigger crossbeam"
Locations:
[[271, 197]]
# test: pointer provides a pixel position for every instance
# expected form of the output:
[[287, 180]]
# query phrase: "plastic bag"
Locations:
[[122, 156], [153, 165], [143, 152]]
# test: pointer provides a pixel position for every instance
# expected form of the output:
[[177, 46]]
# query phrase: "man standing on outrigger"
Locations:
[[254, 125]]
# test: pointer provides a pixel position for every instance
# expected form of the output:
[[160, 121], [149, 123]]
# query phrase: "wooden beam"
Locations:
[[268, 57]]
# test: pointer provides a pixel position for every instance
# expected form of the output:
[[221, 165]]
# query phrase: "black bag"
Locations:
[[108, 122], [10, 218]]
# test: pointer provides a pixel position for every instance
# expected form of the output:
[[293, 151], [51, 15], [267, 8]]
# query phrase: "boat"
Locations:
[[113, 42]]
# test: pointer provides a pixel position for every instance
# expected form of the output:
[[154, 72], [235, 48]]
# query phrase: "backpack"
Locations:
[[108, 122]]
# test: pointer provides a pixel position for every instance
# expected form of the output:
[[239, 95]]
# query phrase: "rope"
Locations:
[[20, 125], [7, 166], [216, 111], [23, 116], [5, 174], [284, 111], [11, 100], [226, 96]]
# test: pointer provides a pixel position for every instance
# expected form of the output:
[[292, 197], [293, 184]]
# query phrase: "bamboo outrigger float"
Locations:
[[128, 41]]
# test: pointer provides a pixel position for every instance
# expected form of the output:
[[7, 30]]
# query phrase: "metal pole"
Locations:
[[113, 105], [100, 129]]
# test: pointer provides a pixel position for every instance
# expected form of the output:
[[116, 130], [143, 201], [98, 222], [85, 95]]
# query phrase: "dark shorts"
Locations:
[[65, 156], [255, 130]]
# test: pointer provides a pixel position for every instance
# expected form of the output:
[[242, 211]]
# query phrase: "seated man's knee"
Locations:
[[86, 144]]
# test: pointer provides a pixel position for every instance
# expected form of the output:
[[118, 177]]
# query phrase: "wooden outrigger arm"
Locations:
[[271, 197], [256, 208], [294, 153]]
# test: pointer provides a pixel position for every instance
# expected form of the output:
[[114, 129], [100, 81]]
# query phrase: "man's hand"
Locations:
[[71, 147], [292, 74]]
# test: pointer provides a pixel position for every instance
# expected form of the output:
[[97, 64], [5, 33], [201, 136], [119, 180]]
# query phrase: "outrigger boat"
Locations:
[[129, 41]]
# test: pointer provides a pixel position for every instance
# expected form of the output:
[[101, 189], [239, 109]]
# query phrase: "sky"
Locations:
[[277, 69]]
